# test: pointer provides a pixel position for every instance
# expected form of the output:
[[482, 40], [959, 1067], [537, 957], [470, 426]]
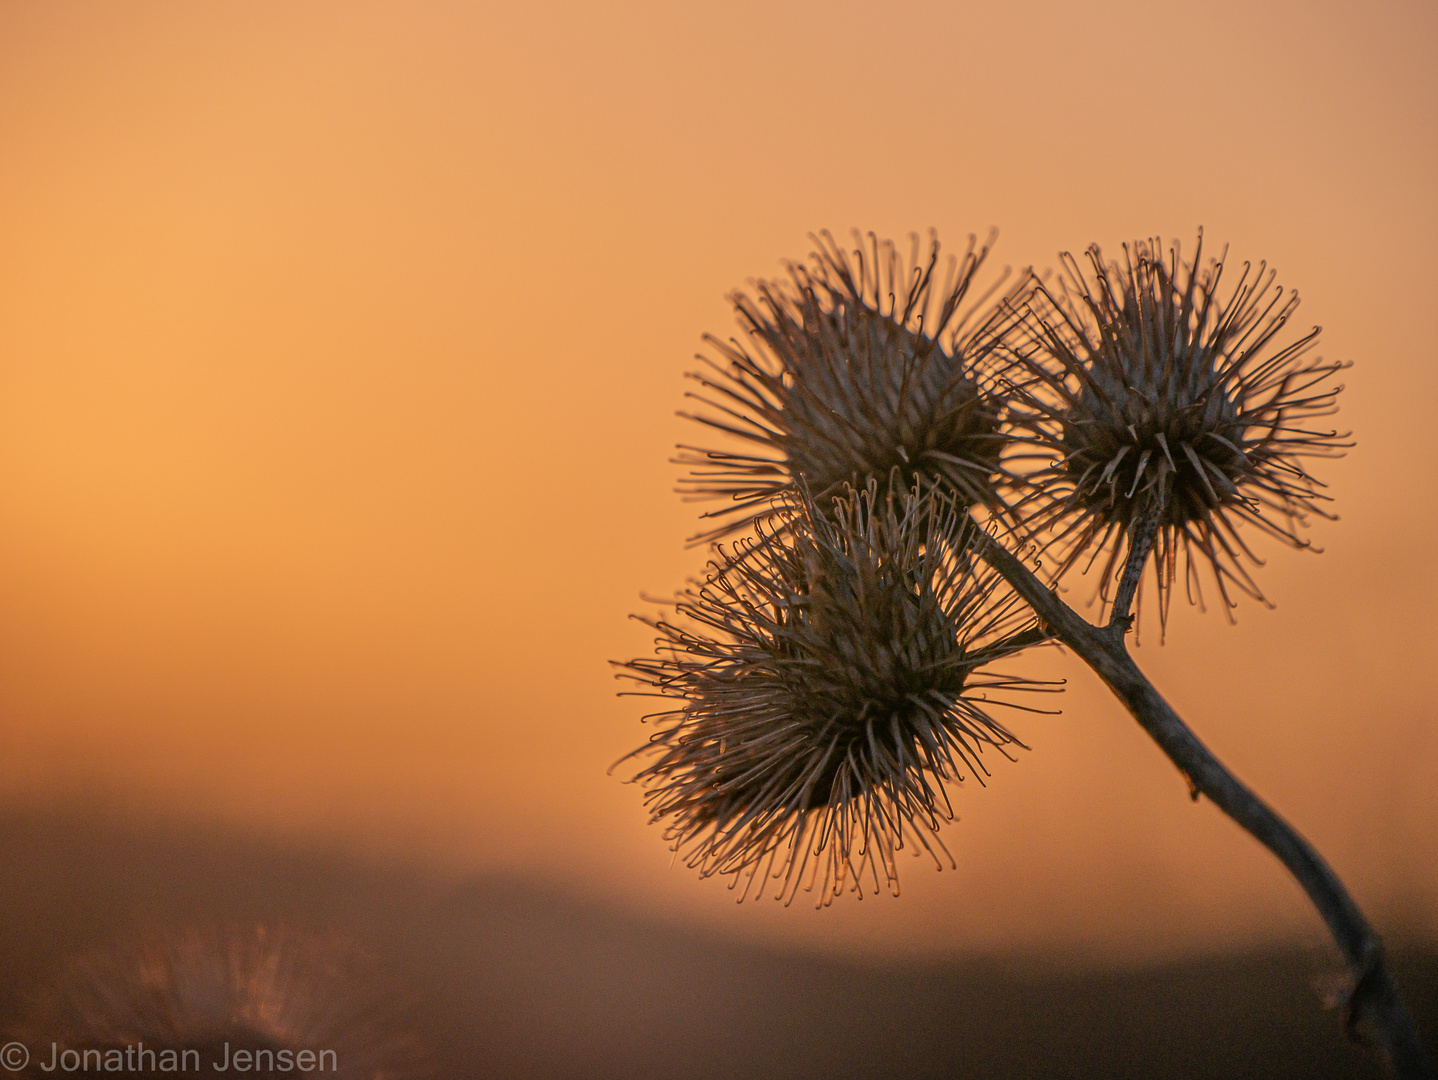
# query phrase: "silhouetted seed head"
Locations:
[[861, 366], [826, 680], [259, 992], [1145, 381]]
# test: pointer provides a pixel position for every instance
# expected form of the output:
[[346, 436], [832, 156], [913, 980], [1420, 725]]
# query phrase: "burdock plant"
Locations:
[[860, 367], [827, 679], [1157, 401], [903, 451], [264, 1002]]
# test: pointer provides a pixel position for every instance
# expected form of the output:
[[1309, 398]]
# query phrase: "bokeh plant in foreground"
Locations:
[[900, 448], [266, 1002]]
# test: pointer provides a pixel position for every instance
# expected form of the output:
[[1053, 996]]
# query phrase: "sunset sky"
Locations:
[[340, 346]]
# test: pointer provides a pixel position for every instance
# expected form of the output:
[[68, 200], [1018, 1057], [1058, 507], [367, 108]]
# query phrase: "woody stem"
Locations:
[[1376, 1011], [1141, 536]]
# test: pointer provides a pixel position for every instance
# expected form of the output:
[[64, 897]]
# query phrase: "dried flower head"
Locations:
[[1147, 388], [827, 680], [211, 994], [862, 366]]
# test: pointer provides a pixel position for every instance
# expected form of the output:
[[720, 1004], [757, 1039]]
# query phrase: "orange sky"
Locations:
[[341, 344]]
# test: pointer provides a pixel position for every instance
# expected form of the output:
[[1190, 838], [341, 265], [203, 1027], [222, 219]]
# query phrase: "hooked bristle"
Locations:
[[1141, 385], [828, 680], [864, 366]]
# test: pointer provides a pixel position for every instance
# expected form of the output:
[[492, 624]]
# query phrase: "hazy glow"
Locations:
[[341, 346]]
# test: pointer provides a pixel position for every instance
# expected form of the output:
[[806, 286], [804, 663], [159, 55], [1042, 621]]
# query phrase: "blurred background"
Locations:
[[341, 349]]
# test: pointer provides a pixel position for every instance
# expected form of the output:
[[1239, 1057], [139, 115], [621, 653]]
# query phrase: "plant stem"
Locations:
[[1140, 543], [1376, 1012]]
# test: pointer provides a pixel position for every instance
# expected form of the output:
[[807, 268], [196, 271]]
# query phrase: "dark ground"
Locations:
[[510, 979]]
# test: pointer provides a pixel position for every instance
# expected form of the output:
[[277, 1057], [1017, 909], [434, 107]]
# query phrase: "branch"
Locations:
[[1140, 543], [1376, 1012]]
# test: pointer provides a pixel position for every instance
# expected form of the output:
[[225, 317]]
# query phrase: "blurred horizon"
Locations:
[[494, 975], [342, 349]]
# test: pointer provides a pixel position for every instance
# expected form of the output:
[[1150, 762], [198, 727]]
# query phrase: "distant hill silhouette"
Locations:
[[507, 978]]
